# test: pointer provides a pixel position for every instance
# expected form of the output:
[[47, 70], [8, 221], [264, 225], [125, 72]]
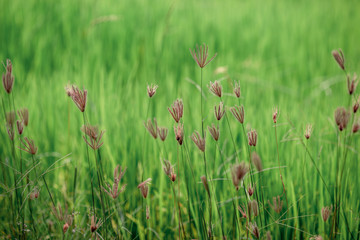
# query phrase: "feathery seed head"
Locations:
[[151, 90], [68, 90], [10, 118], [177, 110], [95, 224], [93, 133], [356, 105], [10, 131], [326, 212], [255, 230], [250, 190], [169, 170], [20, 126], [179, 133], [219, 111], [253, 208], [342, 117], [275, 114], [198, 140], [352, 84], [8, 78], [237, 89], [34, 194], [28, 146], [162, 131], [277, 204], [151, 128], [24, 116], [356, 127], [238, 113], [308, 131], [144, 187], [214, 131], [206, 185], [215, 88], [256, 161], [252, 137], [238, 173], [339, 58], [114, 191], [200, 55], [242, 210], [79, 97]]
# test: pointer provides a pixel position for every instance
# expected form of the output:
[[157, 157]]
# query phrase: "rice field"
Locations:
[[179, 119]]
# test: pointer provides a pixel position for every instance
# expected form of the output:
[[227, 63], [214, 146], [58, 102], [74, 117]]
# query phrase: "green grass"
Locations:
[[280, 51]]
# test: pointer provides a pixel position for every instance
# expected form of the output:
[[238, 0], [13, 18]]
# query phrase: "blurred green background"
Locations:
[[280, 51]]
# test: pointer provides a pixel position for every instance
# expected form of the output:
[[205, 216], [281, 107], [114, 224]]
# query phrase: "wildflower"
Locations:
[[206, 185], [151, 128], [198, 140], [215, 88], [242, 210], [94, 224], [177, 110], [8, 78], [114, 191], [144, 188], [256, 161], [277, 204], [93, 133], [352, 84], [356, 127], [219, 111], [20, 126], [151, 90], [68, 90], [253, 207], [308, 131], [79, 97], [162, 131], [238, 112], [275, 114], [342, 118], [214, 131], [356, 105], [238, 173], [325, 213], [255, 230], [29, 146], [252, 137], [10, 131], [179, 133], [24, 116], [169, 170], [237, 89], [200, 55], [339, 58]]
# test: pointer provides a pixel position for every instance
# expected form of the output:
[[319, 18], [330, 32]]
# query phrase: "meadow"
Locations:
[[279, 55]]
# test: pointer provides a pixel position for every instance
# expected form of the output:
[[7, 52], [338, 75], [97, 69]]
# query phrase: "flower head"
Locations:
[[198, 140], [151, 90], [162, 131], [237, 89], [152, 128], [308, 131], [179, 133], [200, 55], [356, 105], [206, 185], [144, 187], [242, 210], [214, 132], [275, 114], [277, 204], [34, 193], [215, 88], [95, 224], [28, 146], [352, 84], [24, 116], [356, 127], [10, 118], [238, 173], [325, 213], [79, 97], [255, 230], [114, 191], [68, 90], [20, 126], [253, 207], [250, 190], [8, 78], [256, 161], [10, 131], [339, 58], [219, 111], [342, 117], [93, 133], [238, 113], [169, 170], [177, 110], [252, 137]]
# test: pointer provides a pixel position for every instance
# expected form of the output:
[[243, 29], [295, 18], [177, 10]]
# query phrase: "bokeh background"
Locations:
[[280, 51]]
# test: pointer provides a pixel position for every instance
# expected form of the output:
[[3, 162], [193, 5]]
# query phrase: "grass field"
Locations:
[[280, 51]]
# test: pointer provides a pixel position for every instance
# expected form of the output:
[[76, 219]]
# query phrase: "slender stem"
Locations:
[[201, 104]]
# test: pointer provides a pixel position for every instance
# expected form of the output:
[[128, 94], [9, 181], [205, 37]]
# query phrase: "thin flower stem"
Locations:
[[201, 104]]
